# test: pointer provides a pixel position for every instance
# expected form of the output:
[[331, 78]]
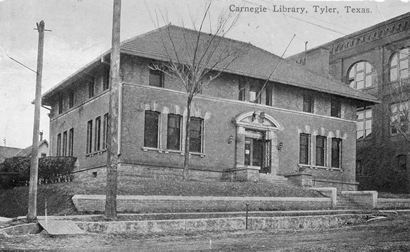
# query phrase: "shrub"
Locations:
[[50, 169]]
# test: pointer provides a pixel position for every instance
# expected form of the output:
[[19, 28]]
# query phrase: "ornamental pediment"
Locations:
[[257, 120]]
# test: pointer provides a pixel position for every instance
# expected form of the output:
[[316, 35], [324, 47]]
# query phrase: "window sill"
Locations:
[[197, 154], [174, 151], [317, 167], [95, 153], [152, 149]]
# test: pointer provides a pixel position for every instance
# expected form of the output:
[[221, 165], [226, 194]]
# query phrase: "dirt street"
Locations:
[[392, 234]]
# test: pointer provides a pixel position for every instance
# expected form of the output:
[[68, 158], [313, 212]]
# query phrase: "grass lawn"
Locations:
[[14, 201]]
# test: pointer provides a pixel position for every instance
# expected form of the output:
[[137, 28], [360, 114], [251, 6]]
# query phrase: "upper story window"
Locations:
[[399, 65], [254, 95], [364, 122], [361, 75], [151, 127], [91, 89], [156, 78], [242, 92], [335, 107], [60, 104], [399, 117], [268, 100], [71, 99], [196, 134], [106, 79], [308, 103]]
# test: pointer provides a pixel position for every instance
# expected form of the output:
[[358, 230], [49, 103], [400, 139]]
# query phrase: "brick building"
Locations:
[[302, 126], [375, 60]]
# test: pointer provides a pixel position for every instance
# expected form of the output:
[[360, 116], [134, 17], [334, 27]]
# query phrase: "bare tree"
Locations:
[[196, 58]]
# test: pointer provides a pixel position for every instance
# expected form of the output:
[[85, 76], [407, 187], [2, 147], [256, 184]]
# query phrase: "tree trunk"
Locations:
[[185, 174]]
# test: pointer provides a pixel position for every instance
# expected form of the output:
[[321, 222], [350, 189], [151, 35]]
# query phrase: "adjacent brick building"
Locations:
[[302, 126], [375, 60]]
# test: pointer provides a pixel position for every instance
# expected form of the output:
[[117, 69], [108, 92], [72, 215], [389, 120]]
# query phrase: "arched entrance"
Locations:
[[256, 145]]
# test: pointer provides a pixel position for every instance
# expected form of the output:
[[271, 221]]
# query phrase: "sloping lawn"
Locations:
[[13, 202]]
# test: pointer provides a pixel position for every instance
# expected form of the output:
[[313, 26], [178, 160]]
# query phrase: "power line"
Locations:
[[18, 62]]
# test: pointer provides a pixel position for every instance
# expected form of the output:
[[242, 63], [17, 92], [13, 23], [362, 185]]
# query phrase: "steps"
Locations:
[[344, 202]]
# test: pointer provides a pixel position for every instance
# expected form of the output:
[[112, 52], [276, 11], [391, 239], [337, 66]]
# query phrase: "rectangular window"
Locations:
[[106, 79], [308, 103], [60, 104], [89, 137], [399, 117], [335, 109], [151, 129], [268, 100], [59, 144], [91, 88], [71, 99], [364, 122], [65, 143], [156, 78], [174, 132], [336, 152], [71, 142], [97, 137], [242, 90], [105, 132], [320, 150], [254, 94], [304, 147], [195, 134]]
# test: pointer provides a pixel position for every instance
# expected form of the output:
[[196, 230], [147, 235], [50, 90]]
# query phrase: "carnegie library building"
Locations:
[[375, 60], [301, 126]]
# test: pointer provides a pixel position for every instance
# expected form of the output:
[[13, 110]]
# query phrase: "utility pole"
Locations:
[[32, 197], [113, 153]]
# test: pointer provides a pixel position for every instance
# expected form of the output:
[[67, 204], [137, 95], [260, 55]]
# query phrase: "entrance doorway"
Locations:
[[257, 151]]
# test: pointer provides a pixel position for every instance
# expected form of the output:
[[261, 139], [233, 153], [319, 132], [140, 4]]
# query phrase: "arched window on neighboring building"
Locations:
[[361, 75], [399, 65]]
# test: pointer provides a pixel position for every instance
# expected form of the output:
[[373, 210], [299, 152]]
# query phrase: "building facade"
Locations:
[[375, 60], [301, 125]]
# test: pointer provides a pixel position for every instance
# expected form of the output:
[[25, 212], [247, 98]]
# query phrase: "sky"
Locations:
[[81, 31]]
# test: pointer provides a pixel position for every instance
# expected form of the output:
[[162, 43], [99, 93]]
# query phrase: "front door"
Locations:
[[257, 151]]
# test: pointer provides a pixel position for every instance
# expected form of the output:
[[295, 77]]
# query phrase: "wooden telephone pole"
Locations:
[[32, 197], [113, 153]]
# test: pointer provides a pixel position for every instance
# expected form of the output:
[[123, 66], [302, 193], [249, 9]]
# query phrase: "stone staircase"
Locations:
[[344, 202]]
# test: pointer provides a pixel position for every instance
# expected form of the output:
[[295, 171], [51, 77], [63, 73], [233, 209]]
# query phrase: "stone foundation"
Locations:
[[145, 171]]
